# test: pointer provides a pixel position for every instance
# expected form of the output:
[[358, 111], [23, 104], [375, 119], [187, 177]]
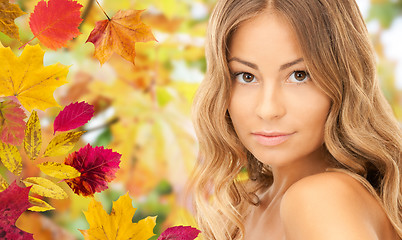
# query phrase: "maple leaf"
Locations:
[[179, 233], [55, 22], [26, 78], [73, 116], [118, 225], [9, 12], [97, 167], [12, 122], [119, 34], [14, 201]]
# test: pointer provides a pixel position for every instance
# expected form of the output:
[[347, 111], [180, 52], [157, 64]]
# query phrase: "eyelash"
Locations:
[[304, 81], [234, 76]]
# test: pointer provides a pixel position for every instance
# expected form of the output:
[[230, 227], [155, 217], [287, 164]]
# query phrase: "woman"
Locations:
[[291, 96]]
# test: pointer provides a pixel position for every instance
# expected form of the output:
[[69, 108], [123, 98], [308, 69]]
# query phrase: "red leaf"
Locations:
[[14, 201], [73, 116], [97, 166], [55, 22], [179, 233], [12, 123]]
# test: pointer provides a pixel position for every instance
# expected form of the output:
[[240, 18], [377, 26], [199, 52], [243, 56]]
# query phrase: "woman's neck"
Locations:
[[285, 176]]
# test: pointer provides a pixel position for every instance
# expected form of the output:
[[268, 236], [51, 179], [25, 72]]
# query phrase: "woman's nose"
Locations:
[[270, 103]]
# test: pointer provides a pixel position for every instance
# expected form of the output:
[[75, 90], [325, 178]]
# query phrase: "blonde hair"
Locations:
[[361, 134]]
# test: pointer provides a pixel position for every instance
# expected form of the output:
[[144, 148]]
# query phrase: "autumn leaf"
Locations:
[[33, 136], [62, 143], [12, 122], [9, 12], [39, 205], [55, 22], [118, 225], [179, 233], [45, 187], [11, 158], [26, 78], [73, 116], [119, 34], [3, 184], [14, 201], [58, 170], [97, 167]]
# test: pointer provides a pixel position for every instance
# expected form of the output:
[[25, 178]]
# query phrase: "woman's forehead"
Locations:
[[265, 38]]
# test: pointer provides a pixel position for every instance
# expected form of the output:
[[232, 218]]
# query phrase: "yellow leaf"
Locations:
[[26, 78], [39, 205], [33, 136], [118, 225], [45, 187], [9, 12], [11, 158], [62, 143], [58, 170], [3, 184]]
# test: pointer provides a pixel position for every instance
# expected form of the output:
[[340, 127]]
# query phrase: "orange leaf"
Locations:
[[55, 22], [119, 34]]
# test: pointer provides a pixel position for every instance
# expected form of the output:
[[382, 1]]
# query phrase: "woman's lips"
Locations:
[[272, 138]]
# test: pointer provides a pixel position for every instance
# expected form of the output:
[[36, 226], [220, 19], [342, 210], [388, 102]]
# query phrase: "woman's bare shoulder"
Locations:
[[331, 205]]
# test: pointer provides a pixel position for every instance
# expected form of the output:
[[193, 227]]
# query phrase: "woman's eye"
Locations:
[[245, 77], [299, 77]]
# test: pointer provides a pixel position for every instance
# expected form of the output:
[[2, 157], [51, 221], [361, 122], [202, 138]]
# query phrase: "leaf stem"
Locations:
[[27, 43], [103, 10]]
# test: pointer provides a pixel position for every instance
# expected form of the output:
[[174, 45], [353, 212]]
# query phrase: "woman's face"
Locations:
[[277, 111]]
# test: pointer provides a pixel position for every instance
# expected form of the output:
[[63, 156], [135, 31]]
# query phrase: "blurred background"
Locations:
[[143, 111]]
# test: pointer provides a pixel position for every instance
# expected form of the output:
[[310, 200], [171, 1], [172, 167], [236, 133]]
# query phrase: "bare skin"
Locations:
[[330, 205], [279, 115]]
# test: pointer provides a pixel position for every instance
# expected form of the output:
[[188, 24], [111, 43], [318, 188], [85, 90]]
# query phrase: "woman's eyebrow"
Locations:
[[254, 66], [289, 64], [249, 64]]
